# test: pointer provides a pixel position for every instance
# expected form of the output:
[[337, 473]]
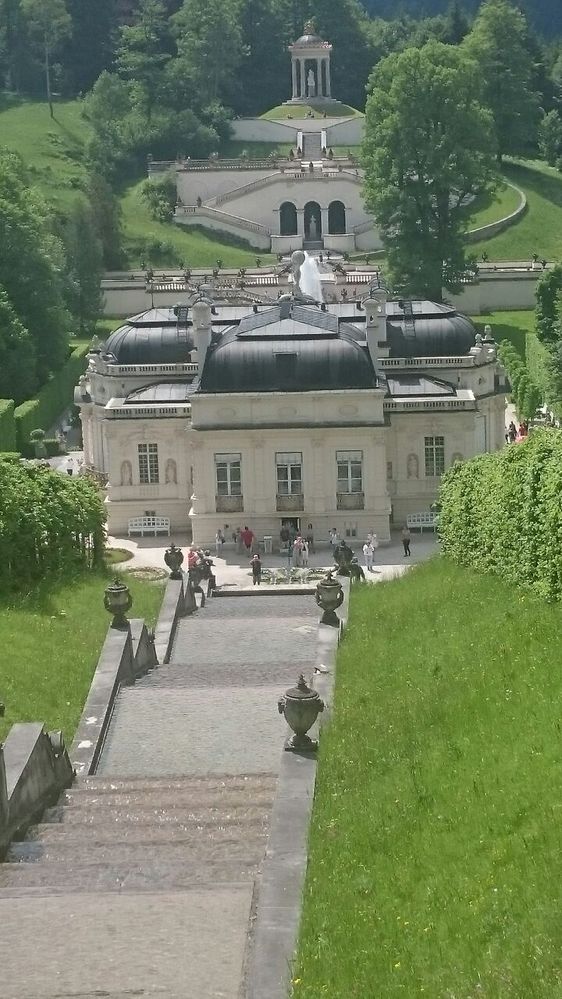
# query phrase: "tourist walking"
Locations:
[[406, 537], [248, 537], [285, 536], [368, 554], [333, 535], [255, 563], [310, 539], [305, 551], [219, 541], [297, 551], [512, 432]]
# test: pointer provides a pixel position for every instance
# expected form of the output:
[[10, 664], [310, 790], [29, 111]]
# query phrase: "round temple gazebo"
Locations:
[[310, 64]]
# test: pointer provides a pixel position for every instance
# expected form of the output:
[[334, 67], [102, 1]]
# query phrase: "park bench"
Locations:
[[419, 521], [149, 525]]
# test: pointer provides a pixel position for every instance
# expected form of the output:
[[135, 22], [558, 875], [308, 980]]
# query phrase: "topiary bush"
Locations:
[[502, 513]]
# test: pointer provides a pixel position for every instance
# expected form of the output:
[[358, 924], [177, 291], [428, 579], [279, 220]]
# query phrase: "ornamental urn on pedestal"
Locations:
[[173, 557], [329, 596], [118, 601], [301, 706]]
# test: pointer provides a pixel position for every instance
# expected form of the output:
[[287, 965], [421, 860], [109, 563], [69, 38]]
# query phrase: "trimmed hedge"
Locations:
[[56, 396], [7, 425], [525, 392], [502, 513]]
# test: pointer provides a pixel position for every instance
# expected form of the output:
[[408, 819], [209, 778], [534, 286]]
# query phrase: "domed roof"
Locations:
[[289, 348], [310, 37], [150, 338], [432, 330]]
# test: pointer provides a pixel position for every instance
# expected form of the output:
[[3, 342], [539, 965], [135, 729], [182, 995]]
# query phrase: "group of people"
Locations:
[[514, 434]]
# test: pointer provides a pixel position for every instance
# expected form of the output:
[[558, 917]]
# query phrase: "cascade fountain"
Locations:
[[310, 282]]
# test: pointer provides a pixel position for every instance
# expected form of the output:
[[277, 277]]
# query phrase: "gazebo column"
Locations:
[[303, 77], [328, 81], [319, 89], [294, 68]]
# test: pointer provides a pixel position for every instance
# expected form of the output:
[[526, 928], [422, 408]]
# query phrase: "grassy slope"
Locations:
[[517, 327], [435, 858], [54, 639], [489, 207], [540, 229]]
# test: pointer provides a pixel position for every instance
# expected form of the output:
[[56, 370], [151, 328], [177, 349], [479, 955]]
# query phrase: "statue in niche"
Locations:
[[413, 467], [313, 228], [311, 84], [126, 473], [171, 475]]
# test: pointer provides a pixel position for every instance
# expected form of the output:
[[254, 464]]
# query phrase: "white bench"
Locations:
[[422, 520], [149, 525]]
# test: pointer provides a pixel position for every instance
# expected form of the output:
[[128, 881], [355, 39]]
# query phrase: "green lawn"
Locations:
[[435, 860], [517, 327], [540, 228], [254, 150], [195, 248], [489, 207], [52, 640], [301, 111]]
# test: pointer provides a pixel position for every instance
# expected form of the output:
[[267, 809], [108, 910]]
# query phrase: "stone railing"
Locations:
[[213, 213], [229, 504], [289, 504], [426, 362], [426, 404], [131, 370], [141, 412], [350, 501]]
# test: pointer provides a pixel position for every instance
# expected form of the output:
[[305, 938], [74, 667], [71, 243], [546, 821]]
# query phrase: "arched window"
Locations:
[[336, 217], [288, 219], [312, 221]]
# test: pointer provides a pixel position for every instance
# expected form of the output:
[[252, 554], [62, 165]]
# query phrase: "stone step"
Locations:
[[252, 782], [145, 834], [143, 814], [148, 874], [163, 798], [205, 849]]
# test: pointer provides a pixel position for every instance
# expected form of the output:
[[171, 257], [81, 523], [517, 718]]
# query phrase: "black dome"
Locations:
[[436, 330], [309, 40], [150, 342], [287, 349]]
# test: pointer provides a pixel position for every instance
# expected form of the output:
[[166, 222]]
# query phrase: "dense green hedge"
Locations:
[[51, 401], [502, 513], [525, 392], [7, 425]]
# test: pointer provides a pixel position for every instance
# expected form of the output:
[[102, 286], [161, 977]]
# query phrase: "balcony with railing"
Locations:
[[293, 503], [350, 501], [229, 504]]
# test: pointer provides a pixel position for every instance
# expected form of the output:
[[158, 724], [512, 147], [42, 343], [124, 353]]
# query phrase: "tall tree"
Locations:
[[84, 257], [144, 51], [210, 47], [48, 25], [498, 43], [90, 47], [428, 145], [264, 78], [18, 379], [32, 265], [106, 220]]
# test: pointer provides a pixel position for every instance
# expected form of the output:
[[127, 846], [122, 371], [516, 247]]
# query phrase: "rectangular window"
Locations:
[[289, 473], [148, 463], [350, 471], [434, 450], [228, 474]]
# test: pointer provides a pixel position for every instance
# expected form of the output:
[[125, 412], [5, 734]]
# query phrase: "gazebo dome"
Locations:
[[310, 37]]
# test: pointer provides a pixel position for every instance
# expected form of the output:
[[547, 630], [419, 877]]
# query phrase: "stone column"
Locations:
[[300, 222], [325, 223], [319, 88], [328, 81], [294, 72], [303, 77]]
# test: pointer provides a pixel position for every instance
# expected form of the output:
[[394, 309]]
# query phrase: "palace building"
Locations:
[[342, 415]]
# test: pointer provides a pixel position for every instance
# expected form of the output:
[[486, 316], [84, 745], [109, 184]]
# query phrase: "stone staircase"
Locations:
[[311, 147], [136, 834]]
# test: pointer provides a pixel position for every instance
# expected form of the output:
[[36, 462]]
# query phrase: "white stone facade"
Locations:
[[162, 455]]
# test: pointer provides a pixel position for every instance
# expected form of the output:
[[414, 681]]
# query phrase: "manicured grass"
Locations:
[[52, 149], [540, 228], [254, 150], [195, 248], [492, 206], [301, 111], [435, 860], [52, 640], [106, 325]]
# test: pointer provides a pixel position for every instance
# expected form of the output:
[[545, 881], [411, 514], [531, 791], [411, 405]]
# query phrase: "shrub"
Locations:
[[7, 425], [502, 513], [51, 401]]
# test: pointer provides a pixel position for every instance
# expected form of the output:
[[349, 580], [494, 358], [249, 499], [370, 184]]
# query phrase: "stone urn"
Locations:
[[301, 706], [173, 557], [329, 596], [118, 601]]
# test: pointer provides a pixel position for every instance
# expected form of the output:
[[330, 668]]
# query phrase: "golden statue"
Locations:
[[309, 28]]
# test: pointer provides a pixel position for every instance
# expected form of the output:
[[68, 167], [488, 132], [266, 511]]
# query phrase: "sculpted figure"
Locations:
[[413, 469], [126, 473], [311, 84], [171, 475]]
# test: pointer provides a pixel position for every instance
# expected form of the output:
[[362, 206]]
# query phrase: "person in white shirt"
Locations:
[[369, 554]]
